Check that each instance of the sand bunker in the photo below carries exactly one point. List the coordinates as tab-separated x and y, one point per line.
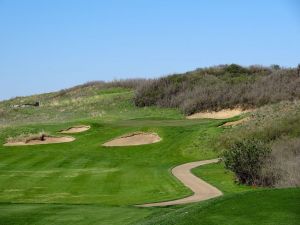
223	114
46	140
235	123
75	129
137	138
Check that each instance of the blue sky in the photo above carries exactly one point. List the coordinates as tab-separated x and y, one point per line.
47	45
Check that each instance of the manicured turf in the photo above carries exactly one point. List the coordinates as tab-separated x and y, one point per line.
266	207
85	172
62	214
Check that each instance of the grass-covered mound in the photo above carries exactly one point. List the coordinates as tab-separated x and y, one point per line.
91	101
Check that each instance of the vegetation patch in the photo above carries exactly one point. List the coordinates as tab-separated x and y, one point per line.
220	87
265	150
36	139
246	158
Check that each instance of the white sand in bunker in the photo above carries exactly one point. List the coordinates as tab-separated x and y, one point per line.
45	140
136	138
222	114
75	129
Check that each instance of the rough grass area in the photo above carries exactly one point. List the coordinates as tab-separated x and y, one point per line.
88	103
274	127
27	137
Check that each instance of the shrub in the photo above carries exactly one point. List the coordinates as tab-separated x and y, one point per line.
235	69
246	158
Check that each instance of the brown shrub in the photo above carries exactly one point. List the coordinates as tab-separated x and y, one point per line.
220	87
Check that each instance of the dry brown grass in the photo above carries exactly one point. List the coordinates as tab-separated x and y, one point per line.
276	126
28	137
285	157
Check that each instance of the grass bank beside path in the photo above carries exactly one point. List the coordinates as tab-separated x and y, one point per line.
263	207
221	178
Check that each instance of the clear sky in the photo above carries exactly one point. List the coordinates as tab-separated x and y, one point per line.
47	45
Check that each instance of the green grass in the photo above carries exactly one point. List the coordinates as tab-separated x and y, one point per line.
221	178
101	105
63	214
268	207
114	90
85	172
82	182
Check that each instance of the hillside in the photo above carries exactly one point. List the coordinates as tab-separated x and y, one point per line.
86	181
97	100
221	87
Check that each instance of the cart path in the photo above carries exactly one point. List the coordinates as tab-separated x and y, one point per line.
202	190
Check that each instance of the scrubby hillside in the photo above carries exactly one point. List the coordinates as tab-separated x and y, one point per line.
221	87
266	149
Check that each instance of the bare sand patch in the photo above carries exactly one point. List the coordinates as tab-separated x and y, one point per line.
222	114
235	123
136	138
45	140
75	129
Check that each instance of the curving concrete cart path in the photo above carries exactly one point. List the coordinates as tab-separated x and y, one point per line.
202	190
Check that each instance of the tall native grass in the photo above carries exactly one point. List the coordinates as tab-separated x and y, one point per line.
275	128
